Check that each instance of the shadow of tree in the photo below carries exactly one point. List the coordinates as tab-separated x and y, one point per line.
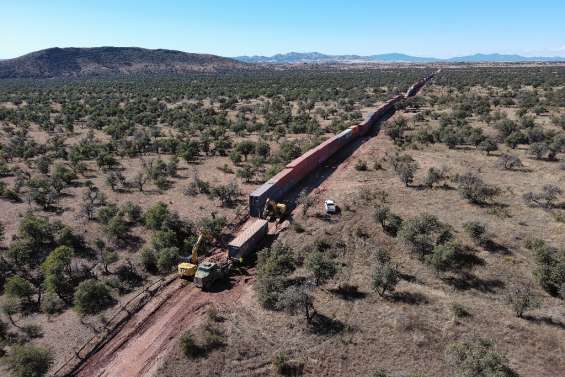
411	298
466	281
348	292
323	325
495	247
545	320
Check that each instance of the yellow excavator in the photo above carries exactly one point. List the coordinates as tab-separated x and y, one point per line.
273	210
188	269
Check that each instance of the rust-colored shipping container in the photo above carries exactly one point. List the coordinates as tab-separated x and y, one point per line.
248	238
285	177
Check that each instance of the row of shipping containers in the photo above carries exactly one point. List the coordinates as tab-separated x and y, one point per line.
276	187
300	167
413	90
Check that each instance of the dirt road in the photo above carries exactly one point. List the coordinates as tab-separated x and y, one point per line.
138	349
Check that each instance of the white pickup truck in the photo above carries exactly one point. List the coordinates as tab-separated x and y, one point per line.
329	206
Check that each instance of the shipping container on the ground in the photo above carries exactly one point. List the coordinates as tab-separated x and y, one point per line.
248	238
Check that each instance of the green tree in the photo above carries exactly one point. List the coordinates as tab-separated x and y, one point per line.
522	298
443	257
475	190
29	361
422	233
321	265
59	276
92	297
385	277
167	259
117	228
245	147
297	299
18	287
475	357
273	265
155	216
488	145
477	231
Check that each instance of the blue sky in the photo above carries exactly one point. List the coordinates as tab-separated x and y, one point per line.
244	27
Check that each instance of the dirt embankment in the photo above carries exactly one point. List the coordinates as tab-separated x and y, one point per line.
138	349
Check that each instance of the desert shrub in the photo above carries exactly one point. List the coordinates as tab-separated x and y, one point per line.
361	165
227	194
395	130
546	198
117	228
245	148
155	216
133	212
405	168
475	357
476	231
20	288
297	299
306	201
380	373
213	225
280	362
246	173
538	150
106	213
424	232
92	297
273	265
29	361
262	149
434	176
388	220
443	257
515	138
189	346
550	266
64	174
505	127
321	265
149	260
385	277
474	189
488	145
51	304
424	136
167	259
459	311
508	162
522	298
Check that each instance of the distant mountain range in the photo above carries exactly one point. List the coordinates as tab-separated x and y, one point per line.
96	61
316	57
100	61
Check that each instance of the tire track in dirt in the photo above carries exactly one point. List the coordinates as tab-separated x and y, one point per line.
140	346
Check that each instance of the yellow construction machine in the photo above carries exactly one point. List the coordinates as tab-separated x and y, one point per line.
273	210
188	269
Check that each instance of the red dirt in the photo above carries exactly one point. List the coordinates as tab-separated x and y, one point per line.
140	346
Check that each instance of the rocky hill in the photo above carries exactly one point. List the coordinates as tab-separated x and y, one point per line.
78	62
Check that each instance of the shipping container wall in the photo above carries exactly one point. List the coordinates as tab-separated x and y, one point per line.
300	167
